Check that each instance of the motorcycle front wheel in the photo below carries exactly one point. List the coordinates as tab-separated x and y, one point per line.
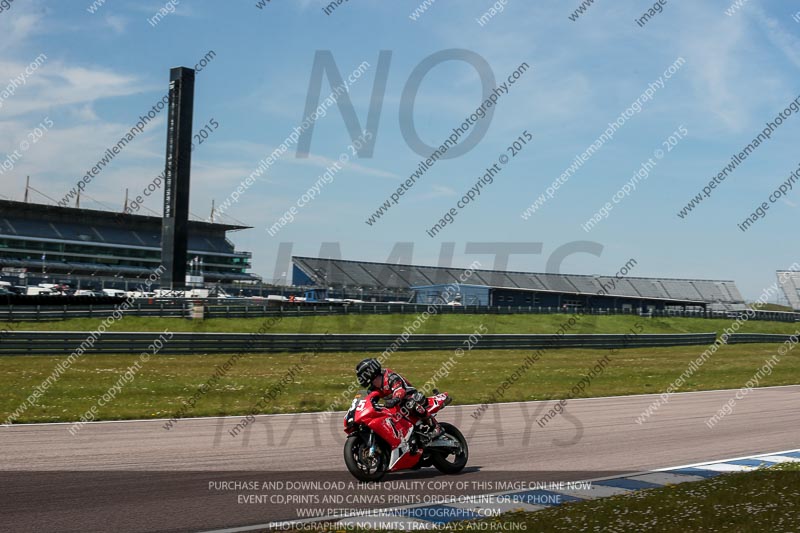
359	462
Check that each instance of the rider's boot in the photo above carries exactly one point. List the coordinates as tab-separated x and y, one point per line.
436	430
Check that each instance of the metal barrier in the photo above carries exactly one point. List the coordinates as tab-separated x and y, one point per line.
66	342
42	313
748	338
171	308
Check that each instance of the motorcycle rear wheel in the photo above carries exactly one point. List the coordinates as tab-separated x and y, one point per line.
459	460
355	450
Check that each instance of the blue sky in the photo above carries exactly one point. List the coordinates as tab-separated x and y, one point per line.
104	69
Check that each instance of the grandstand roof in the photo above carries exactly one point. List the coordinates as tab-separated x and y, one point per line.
339	272
103	228
95	216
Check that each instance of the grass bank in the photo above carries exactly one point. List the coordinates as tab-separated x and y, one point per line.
767	499
163	383
395	323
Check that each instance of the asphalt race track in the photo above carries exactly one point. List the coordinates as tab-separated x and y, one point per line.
138	476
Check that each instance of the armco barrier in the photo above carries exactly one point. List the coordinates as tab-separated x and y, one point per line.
748	338
102	307
65	342
64	307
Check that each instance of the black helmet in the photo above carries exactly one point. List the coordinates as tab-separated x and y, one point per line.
367	370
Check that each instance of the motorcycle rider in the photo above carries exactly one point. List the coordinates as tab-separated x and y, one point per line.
392	385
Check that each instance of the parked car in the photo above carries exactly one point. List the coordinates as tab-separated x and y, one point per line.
116	293
57	289
88	292
38	291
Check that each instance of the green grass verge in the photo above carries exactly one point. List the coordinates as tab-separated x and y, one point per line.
395	323
162	385
767	499
772	307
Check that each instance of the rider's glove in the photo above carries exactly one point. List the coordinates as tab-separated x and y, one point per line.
391	402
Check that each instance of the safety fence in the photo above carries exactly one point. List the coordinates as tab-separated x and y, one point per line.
65	342
747	338
174	308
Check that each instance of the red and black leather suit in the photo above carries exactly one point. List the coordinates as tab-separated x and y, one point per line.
400	391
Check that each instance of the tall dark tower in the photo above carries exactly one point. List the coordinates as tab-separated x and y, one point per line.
174	227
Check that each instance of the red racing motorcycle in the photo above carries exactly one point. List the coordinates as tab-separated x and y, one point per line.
386	439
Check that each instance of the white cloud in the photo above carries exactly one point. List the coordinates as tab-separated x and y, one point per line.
437	191
56	84
84	113
16	29
783	40
116	23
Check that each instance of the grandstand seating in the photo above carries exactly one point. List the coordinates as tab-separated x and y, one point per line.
646	288
722	295
790	283
106	235
80	242
680	290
